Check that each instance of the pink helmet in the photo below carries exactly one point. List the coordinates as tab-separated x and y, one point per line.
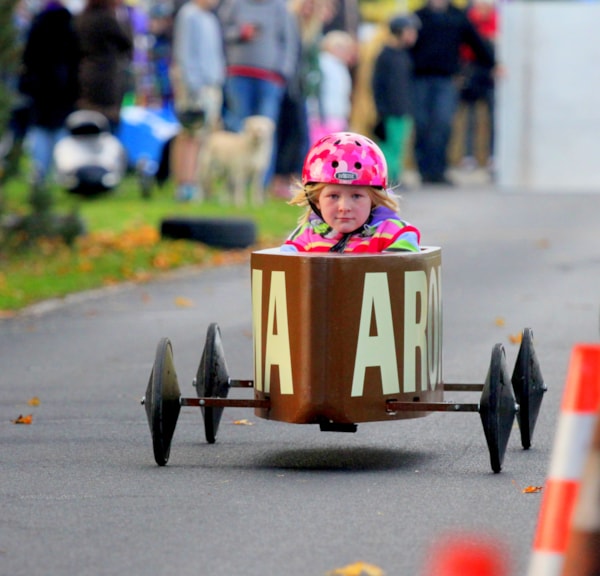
345	158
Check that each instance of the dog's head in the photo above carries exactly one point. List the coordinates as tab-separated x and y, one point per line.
260	129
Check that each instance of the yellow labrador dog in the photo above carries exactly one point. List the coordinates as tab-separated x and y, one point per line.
241	159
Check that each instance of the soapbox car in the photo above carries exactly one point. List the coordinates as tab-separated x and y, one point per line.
341	339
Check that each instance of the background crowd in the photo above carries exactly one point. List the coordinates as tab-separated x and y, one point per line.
302	63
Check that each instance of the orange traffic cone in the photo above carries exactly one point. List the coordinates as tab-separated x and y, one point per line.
583	545
467	555
579	412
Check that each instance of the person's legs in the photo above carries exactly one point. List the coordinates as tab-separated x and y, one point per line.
269	99
391	147
270	96
57	135
445	98
405	128
186	147
470	130
292	143
423	110
239	97
397	130
40	144
184	162
490	104
19	123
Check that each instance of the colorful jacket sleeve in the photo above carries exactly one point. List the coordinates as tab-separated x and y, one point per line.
398	236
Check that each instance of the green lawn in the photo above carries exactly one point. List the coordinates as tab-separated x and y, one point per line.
122	241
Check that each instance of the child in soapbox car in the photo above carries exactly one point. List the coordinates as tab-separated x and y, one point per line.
379	360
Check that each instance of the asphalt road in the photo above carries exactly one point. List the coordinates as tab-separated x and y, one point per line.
80	492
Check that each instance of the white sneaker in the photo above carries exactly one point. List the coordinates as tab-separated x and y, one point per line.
469	163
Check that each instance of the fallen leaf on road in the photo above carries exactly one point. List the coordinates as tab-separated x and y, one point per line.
357	569
515	338
532	489
243	422
23	419
499	321
35	401
184	302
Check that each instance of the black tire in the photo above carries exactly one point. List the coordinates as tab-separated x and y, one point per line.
497	408
212	380
221	233
528	386
162	401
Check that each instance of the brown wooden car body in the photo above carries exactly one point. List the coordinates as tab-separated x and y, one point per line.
338	336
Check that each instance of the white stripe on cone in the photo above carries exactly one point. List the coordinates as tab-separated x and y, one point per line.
571	445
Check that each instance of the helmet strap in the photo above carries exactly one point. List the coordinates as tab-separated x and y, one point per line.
341	244
314	207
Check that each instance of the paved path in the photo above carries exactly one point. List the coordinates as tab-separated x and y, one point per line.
79	490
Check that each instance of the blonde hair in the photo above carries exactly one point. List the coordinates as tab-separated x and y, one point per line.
309	194
337	40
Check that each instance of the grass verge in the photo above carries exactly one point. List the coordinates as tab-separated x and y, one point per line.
122	242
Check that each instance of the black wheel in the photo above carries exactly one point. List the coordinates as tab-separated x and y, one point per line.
528	385
221	233
212	380
162	401
497	408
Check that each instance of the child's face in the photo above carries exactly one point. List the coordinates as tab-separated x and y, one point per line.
409	37
344	207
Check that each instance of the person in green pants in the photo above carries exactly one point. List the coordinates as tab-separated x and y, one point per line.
393	94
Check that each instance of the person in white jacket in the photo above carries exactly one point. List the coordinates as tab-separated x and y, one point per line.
337	55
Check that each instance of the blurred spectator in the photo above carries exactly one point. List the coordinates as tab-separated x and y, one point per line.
345	16
477	83
393	93
261	54
49	79
11	143
106	50
197	75
301	91
436	55
161	40
336	57
134	17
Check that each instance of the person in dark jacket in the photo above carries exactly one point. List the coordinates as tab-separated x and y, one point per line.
393	93
106	52
49	80
436	57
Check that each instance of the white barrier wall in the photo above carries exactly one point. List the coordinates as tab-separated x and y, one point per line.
548	107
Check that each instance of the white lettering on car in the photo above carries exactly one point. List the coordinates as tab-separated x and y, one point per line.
277	345
379	349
